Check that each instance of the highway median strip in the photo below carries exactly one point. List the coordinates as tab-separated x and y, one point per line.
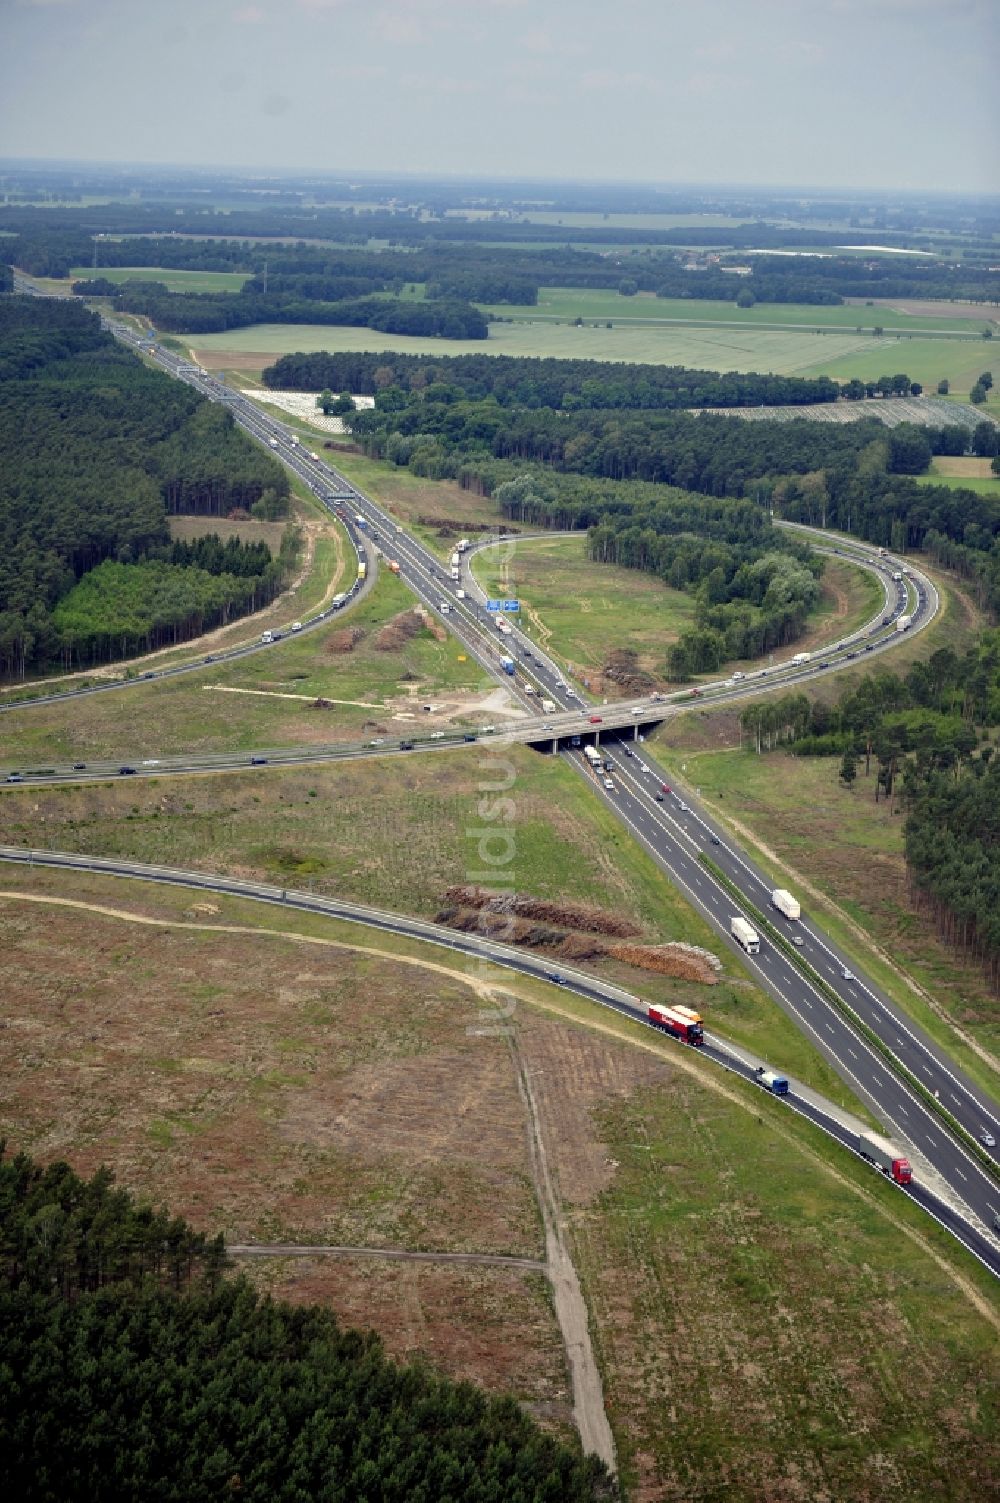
849	1014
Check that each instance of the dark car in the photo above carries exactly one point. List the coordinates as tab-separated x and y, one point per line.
658	797
125	772
468	737
406	746
695	693
79	766
209	659
885	620
149	675
554	976
825	663
13	777
258	761
870	647
715	840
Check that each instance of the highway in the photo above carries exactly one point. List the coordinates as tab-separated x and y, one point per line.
482	952
676	830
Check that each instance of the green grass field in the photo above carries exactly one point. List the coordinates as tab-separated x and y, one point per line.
830	1352
579	610
174	281
587	303
838	352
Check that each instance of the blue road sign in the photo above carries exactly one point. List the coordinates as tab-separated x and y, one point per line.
494	605
512	605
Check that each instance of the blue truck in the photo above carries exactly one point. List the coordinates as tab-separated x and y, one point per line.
771	1081
507	664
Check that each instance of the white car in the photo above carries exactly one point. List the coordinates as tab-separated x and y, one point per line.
643	767
986	1138
608	784
296	626
445	608
437	735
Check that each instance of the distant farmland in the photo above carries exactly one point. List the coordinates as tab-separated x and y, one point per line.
174	281
889	410
840	353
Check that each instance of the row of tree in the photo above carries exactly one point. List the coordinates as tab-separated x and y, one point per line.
925	737
50	242
95	447
134	1369
213	312
532	383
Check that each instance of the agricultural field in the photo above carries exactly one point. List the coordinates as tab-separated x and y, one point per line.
591	303
839	352
401	835
373	665
964	473
174	281
580	611
188	1058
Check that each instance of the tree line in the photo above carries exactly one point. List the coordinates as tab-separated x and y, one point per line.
753	585
214	312
136	1366
50	242
857	477
531	382
923	737
95	447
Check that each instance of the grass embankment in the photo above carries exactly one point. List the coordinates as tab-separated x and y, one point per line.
771	1318
845	852
195	713
398	835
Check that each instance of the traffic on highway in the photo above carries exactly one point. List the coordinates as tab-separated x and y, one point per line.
908	1082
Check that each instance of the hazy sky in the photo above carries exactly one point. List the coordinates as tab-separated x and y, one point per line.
890	93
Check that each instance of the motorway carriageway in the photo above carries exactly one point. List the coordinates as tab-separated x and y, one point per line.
481	953
662	835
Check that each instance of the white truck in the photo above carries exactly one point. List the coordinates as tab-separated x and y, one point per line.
456	559
802	657
744	934
455	574
898	576
592	755
548	708
273	442
782	899
463	545
903	623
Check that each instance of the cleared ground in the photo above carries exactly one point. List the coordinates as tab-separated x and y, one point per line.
398	835
773	1322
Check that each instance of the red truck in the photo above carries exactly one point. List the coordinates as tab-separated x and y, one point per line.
681	1022
880	1151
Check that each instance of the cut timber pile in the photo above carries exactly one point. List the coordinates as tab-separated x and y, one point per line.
567	915
346	640
681	961
400	630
